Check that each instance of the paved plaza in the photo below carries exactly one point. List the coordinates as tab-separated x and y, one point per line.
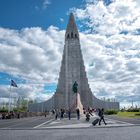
82	123
46	128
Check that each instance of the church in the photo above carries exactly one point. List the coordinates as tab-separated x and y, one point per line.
72	72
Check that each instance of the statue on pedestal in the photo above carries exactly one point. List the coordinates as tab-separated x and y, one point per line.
75	87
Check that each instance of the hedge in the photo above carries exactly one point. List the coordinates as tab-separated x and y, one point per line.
111	112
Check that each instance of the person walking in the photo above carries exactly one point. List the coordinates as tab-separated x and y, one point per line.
0	116
78	113
101	115
62	111
87	116
56	114
18	115
69	114
45	114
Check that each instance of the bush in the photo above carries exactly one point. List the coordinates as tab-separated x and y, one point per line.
19	110
3	110
122	110
137	114
133	110
111	112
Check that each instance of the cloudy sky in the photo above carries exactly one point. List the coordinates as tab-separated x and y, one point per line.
32	41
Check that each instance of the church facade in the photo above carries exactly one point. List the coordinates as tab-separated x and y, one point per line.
72	70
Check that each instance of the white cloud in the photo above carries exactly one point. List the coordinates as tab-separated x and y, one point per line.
112	49
112	64
116	17
30	91
46	3
61	19
31	52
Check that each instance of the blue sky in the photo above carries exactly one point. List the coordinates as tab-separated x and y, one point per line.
17	14
32	41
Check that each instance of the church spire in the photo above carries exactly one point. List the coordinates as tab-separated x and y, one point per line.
71	31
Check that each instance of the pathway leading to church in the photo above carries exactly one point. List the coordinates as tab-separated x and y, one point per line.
82	123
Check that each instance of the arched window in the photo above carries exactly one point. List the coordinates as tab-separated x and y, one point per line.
75	35
71	34
68	36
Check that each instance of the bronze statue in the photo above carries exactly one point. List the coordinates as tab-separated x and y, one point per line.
75	87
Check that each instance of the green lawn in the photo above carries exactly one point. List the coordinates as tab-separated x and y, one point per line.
129	114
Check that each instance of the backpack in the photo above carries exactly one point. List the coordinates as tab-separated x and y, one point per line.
100	113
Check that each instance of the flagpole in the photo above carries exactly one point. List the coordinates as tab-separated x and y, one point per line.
9	108
14	85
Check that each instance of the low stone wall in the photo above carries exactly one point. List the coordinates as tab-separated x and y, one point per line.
97	103
42	107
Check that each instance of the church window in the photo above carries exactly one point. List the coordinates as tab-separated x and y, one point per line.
71	34
68	36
